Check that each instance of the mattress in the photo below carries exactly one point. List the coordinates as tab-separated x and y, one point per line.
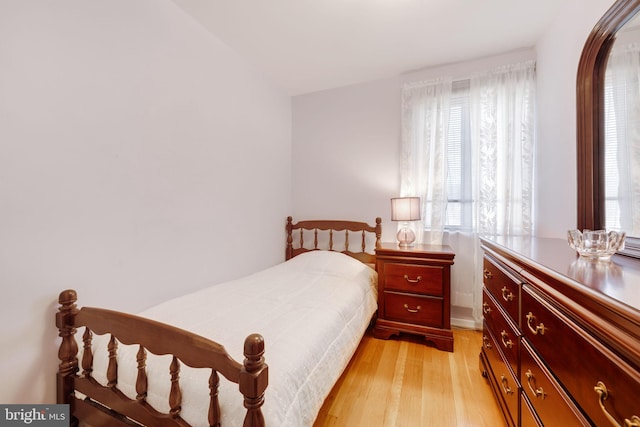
312	312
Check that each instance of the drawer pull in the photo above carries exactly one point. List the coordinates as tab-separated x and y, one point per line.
416	280
603	394
412	310
508	343
537	391
539	327
486	342
485	308
506	295
505	385
486	274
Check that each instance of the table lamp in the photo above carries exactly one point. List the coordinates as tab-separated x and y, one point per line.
405	209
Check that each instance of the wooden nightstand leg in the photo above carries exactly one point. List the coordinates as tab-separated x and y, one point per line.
384	333
440	339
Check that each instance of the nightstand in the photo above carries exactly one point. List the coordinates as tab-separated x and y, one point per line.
414	292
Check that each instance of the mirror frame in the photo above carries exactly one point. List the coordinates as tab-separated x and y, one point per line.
590	119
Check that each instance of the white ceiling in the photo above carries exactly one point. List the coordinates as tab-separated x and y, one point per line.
311	45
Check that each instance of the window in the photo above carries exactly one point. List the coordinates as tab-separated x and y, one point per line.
468	151
459	210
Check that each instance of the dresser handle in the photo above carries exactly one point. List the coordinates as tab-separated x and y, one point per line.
603	394
506	295
416	280
505	385
507	343
412	310
537	392
539	328
485	308
486	342
486	274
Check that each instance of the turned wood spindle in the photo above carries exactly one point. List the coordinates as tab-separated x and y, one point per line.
289	251
364	246
87	354
346	240
175	395
141	379
315	238
68	351
112	368
330	239
214	404
253	380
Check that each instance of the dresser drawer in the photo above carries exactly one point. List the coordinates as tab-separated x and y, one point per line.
550	402
507	337
528	416
504	286
501	376
418	279
584	367
408	308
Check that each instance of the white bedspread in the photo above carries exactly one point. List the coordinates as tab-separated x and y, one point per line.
312	312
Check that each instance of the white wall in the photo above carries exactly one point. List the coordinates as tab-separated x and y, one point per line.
346	140
140	158
346	153
557	67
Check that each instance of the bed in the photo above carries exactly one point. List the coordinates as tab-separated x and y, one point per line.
169	365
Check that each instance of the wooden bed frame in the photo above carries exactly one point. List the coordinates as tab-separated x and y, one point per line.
99	405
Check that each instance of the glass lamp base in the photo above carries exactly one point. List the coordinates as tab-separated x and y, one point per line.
406	237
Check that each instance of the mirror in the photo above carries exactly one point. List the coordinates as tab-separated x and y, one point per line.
591	133
622	131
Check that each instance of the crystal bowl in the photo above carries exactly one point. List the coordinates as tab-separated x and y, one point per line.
596	244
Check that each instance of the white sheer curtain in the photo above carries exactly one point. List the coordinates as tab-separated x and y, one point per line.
423	157
502	136
622	155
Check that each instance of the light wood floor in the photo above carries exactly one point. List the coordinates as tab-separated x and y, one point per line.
405	383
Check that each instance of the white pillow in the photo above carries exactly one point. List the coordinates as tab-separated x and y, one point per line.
329	262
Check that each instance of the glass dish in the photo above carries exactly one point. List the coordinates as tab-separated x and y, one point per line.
596	244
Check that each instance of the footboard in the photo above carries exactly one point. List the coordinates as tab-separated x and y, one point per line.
98	404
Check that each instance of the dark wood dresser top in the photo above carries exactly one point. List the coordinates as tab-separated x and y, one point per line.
609	290
617	280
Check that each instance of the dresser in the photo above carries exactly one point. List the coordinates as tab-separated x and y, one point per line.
561	334
414	287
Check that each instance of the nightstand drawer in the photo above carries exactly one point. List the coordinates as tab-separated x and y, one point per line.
419	310
417	279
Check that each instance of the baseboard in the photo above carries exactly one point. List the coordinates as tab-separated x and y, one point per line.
465	324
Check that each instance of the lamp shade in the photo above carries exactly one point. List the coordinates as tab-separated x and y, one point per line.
405	209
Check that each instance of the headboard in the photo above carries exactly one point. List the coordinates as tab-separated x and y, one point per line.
334	235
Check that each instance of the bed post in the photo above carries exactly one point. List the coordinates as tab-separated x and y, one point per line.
378	231
254	377
68	351
289	252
